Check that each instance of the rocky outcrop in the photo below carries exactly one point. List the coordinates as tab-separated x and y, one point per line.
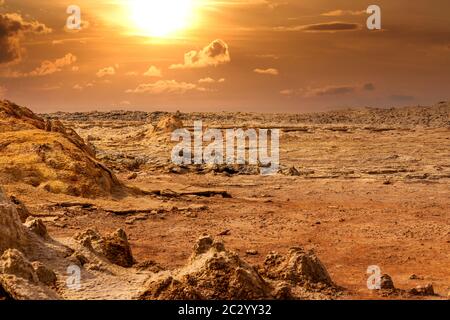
114	247
48	155
298	267
12	233
213	272
20	281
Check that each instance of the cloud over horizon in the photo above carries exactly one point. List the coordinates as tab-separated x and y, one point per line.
12	29
166	86
214	54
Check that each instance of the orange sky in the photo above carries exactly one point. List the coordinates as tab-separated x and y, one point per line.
247	55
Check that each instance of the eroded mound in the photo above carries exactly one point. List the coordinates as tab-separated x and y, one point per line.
12	233
49	156
19	278
164	128
114	247
216	273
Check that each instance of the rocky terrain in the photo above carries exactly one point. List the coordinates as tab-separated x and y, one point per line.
98	192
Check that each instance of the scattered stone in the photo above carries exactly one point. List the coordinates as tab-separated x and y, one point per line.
22	210
132	176
79	259
130	220
13	262
44	274
292	171
115	246
225	233
149	265
427	290
252	252
37	226
117	249
387	283
192	215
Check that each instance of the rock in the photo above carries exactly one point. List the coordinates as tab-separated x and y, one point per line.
78	259
192	215
149	265
252	252
132	176
37	226
44	274
298	267
427	290
114	247
283	291
21	209
225	233
130	220
48	155
292	171
211	273
387	283
117	249
13	262
12	232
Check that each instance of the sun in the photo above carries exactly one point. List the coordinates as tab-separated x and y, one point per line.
161	18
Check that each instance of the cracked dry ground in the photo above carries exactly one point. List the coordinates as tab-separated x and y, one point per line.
363	198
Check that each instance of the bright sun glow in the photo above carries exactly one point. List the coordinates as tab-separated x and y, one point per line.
161	18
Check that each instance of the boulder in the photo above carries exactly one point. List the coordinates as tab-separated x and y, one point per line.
117	249
427	290
298	267
115	246
211	273
44	274
37	227
13	262
387	283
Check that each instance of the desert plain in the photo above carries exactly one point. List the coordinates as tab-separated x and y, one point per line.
356	188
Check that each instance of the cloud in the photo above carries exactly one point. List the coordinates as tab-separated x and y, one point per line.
12	29
46	68
153	72
340	13
207	80
270	71
268	56
49	67
401	97
323	27
166	86
214	54
330	90
287	92
125	103
108	71
211	80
